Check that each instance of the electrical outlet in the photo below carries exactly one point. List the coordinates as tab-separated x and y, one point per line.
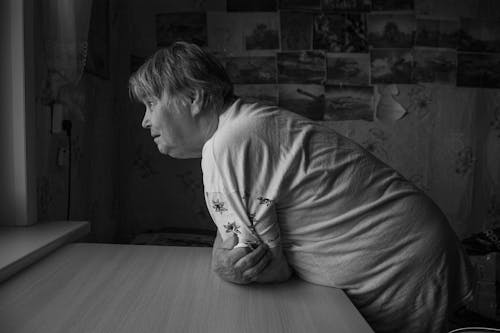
62	156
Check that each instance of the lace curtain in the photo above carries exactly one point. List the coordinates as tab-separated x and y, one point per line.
65	26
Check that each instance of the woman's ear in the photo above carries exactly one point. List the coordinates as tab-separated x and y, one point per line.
196	103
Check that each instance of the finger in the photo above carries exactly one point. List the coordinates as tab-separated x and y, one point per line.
252	258
252	273
236	254
230	242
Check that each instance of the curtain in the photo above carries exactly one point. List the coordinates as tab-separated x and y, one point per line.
65	25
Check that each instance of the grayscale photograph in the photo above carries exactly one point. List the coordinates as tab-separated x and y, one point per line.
434	32
478	70
391	30
349	103
257	93
348	69
479	35
262	36
435	66
340	33
301	67
250	69
391	66
307	100
173	27
232	166
296	30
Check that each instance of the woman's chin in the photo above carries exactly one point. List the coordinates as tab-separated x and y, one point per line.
162	149
177	153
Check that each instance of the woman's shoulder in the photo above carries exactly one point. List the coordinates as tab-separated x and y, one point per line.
246	124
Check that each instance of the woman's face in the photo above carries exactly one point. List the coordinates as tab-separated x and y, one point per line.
174	126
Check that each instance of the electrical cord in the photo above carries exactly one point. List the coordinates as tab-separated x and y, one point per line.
66	125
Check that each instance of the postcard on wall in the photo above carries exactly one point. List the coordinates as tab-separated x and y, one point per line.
228	32
349	103
391	30
478	70
305	99
251	6
391	5
432	65
257	93
250	69
479	35
348	69
224	32
296	30
346	5
301	67
391	66
340	33
261	32
299	4
185	26
435	32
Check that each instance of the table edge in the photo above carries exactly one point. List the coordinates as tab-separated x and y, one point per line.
74	230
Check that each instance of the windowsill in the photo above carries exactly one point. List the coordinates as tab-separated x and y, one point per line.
22	246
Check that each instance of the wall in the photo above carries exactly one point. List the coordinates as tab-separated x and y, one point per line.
156	192
17	181
447	141
114	184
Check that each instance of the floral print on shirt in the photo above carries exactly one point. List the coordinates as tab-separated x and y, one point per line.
218	206
246	227
232	227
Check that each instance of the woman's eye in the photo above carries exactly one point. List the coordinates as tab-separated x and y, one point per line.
149	105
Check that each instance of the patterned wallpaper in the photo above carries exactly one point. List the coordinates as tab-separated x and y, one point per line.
411	81
414	82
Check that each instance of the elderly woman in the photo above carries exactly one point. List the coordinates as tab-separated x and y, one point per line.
290	194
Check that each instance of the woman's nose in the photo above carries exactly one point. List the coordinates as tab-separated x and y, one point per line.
145	121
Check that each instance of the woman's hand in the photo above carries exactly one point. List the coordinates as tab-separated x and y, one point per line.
243	265
239	265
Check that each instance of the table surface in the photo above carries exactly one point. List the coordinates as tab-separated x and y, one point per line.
135	288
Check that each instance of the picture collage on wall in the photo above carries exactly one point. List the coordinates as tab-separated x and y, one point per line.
321	58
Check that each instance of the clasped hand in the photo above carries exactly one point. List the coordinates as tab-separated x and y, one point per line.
240	265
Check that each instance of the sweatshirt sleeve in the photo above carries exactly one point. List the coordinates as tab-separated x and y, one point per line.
240	186
251	218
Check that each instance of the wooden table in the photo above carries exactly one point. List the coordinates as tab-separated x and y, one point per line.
134	288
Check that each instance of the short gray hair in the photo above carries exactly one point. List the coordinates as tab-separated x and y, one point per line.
181	70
